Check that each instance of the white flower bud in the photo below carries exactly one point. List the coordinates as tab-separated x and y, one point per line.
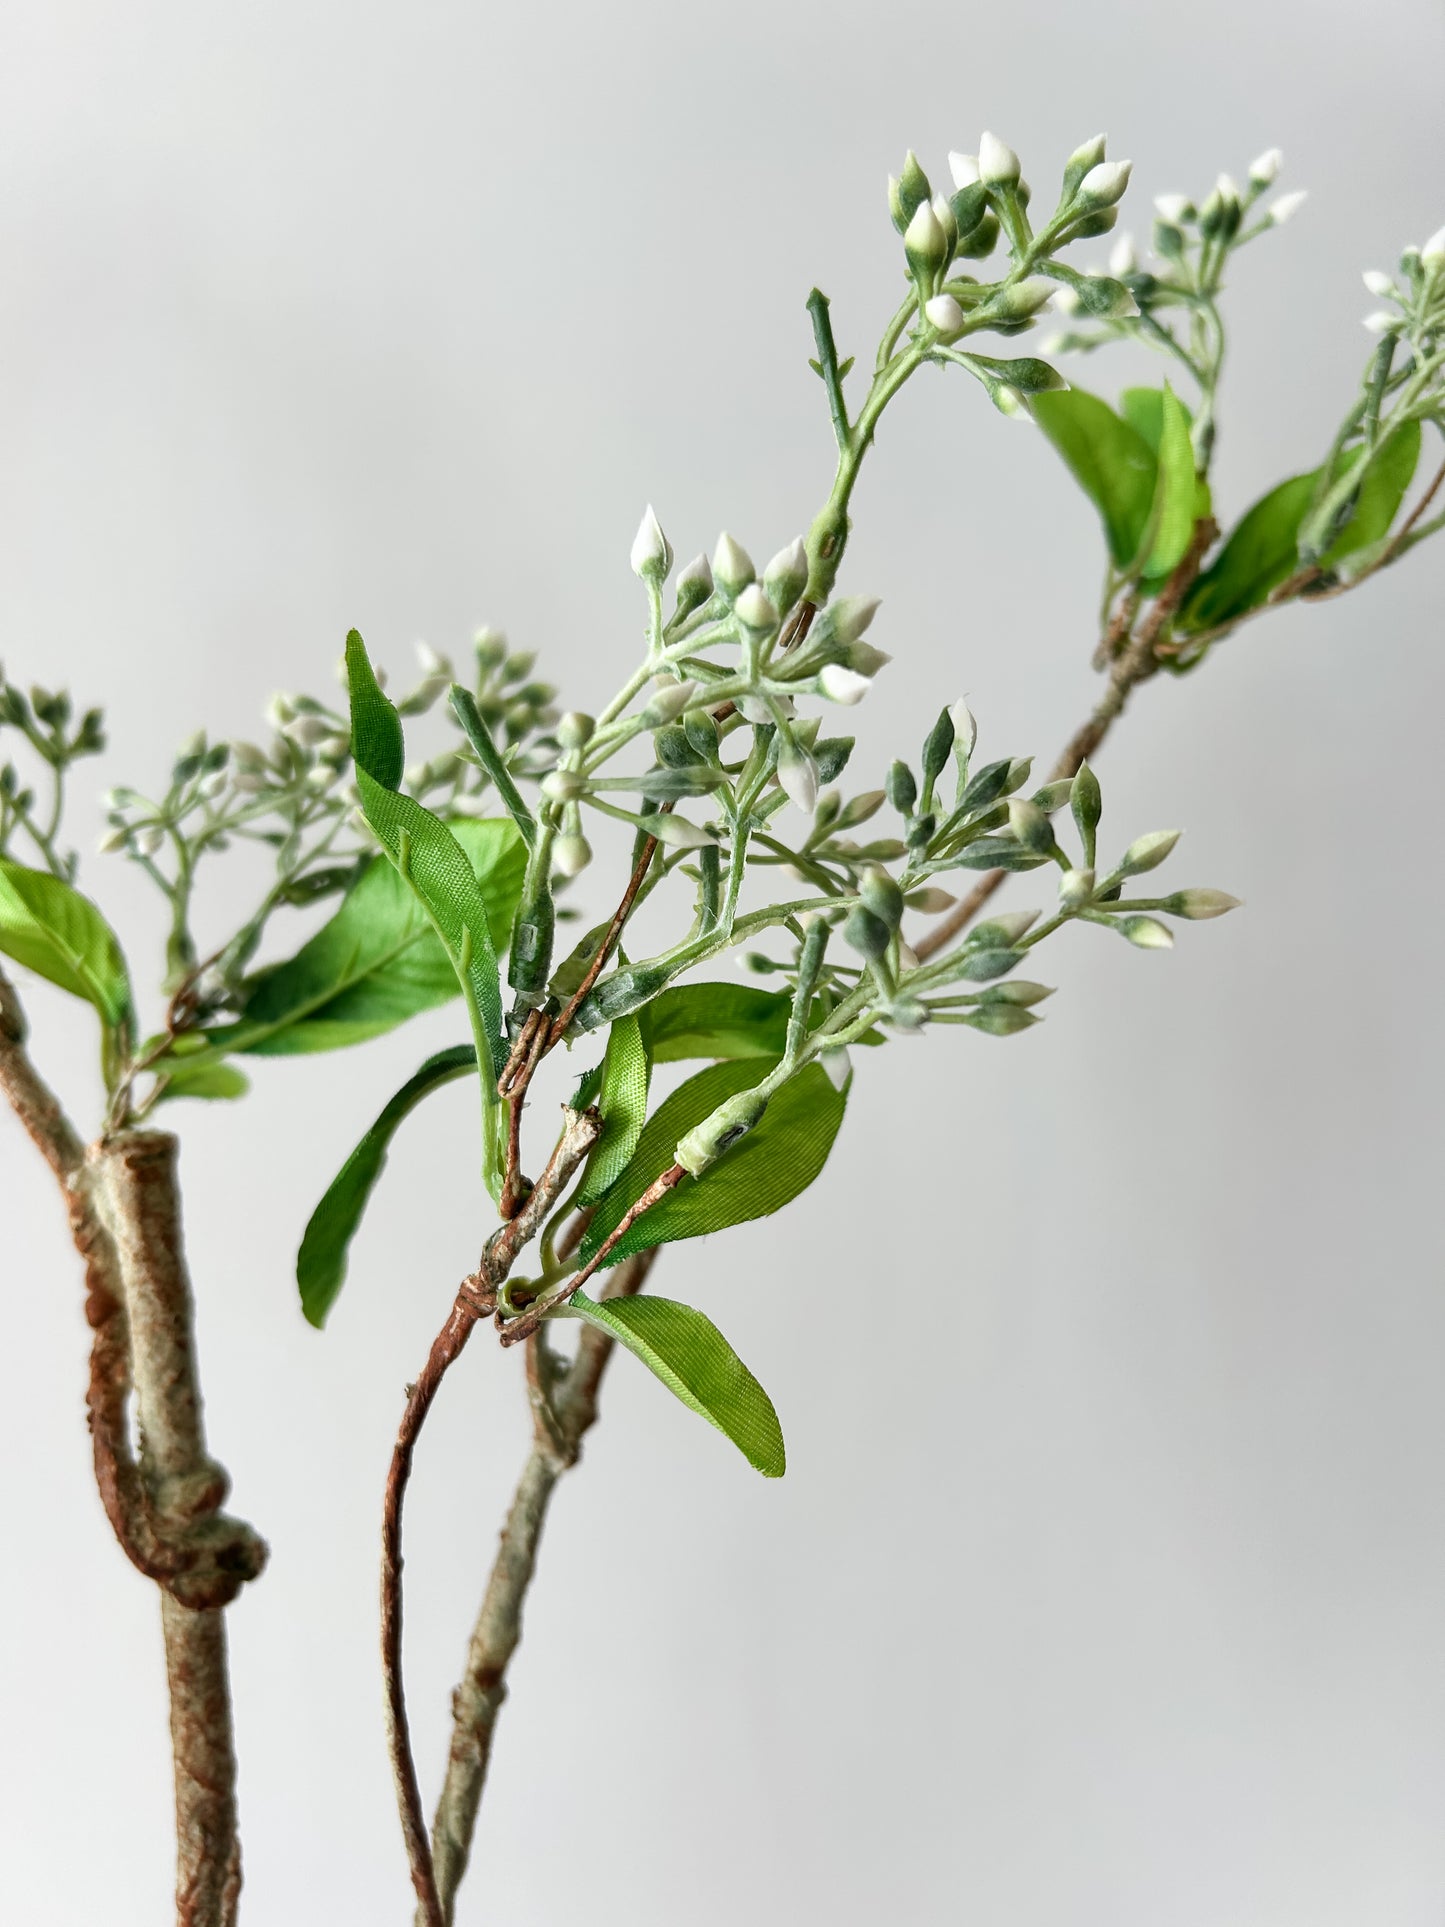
194	745
732	566
695	582
335	746
1147	852
1382	322
1066	301
1227	188
677	833
1264	167
1122	258
924	239
998	165
1023	298
668	703
1197	905
842	685
1147	932
1076	887
308	731
1287	206
1432	254
798	776
415	775
1087	155
322	777
755	609
786	576
279	711
1105	184
754	710
431	663
214	784
115	839
837	1064
574	730
851	615
944	313
248	756
1378	283
965	727
964	169
651	551
571	854
1173	208
563	785
251	781
147	841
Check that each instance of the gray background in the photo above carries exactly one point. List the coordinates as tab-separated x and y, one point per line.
1107	1582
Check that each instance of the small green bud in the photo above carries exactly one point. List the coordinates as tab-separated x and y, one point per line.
677	833
694	586
564	785
1022	299
1147	852
1003	930
786	576
1000	1020
879	893
574	730
866	933
831	756
756	611
1087	803
730	1121
925	243
1031	827
902	787
701	732
571	854
937	748
1147	932
1084	157
1196	905
1076	888
668	702
1104	184
490	646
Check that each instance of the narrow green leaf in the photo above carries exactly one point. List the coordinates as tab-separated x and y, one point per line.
778	1158
436	866
1110	461
622	1100
206	1076
698	1365
60	935
1259	554
715	1020
1381	493
377	961
321	1261
1171	515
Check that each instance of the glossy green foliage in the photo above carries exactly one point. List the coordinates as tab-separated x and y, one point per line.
765	1170
622	1101
321	1261
53	930
698	1365
435	865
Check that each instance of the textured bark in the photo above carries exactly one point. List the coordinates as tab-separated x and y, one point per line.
561	1420
123	1205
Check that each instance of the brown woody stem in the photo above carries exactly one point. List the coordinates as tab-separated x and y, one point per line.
561	1418
123	1204
475	1299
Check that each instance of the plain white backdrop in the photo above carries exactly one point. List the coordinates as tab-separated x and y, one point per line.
1107	1583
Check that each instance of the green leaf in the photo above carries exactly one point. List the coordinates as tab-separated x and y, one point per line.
204	1076
1171	515
1261	552
434	863
378	961
622	1101
1110	461
715	1020
778	1158
698	1365
60	935
1381	493
321	1261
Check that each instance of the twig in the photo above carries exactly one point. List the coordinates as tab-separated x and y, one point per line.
604	950
523	1327
475	1299
1132	666
482	1689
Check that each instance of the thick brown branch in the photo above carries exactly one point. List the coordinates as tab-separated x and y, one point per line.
475	1299
558	1428
1131	666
